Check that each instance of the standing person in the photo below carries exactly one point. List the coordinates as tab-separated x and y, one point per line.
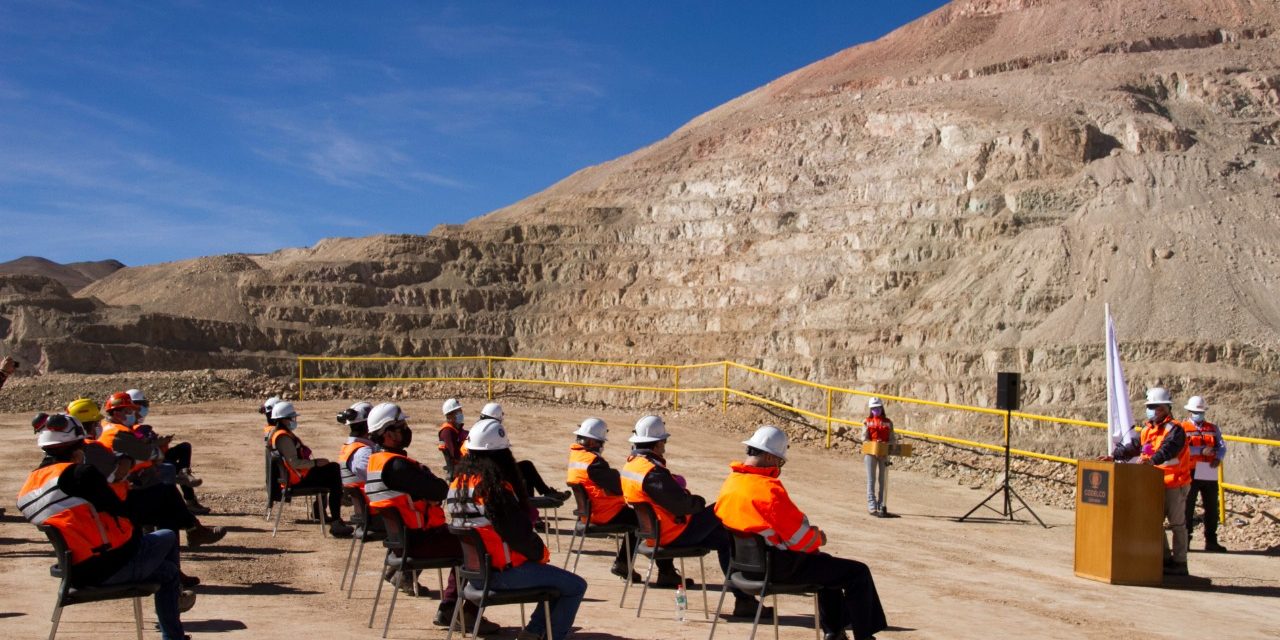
753	500
1163	443
353	457
396	481
877	428
483	496
178	455
451	435
603	485
684	518
105	548
303	470
1207	449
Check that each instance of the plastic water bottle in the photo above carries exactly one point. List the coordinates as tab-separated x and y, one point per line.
682	601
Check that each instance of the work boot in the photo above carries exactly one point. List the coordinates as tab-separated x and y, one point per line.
201	535
340	529
188	581
188	479
559	495
526	634
468	620
746	608
186	601
198	509
668	579
1176	569
1212	546
835	635
621	569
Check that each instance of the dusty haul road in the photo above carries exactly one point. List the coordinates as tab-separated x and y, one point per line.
937	578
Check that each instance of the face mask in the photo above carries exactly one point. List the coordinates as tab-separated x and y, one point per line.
1151	413
290	424
129	420
142	412
407	434
877	412
1197	418
460	419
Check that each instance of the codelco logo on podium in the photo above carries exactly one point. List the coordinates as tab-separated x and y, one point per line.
1095	488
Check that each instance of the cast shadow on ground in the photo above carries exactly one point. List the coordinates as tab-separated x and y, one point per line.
223	549
214	626
1196	583
10	614
254	589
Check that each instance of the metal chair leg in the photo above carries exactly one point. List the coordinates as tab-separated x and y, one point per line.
457	608
351	552
57	618
719	607
648	574
475	633
377	595
355	570
546	611
702	564
755	623
522	622
556	515
320	510
631	561
817	624
775	616
279	512
572	539
440	576
399	580
137	616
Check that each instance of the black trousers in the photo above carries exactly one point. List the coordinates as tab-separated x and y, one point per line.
628	516
159	506
1208	491
179	455
706	530
533	481
848	597
327	477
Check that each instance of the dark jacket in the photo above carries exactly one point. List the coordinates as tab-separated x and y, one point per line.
604	476
664	491
414	479
1170	447
86	482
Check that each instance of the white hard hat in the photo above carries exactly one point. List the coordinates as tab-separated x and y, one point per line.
450	406
492	410
1196	405
649	429
137	395
1158	395
282	409
66	431
875	403
769	439
488	435
359	412
383	415
593	428
270	402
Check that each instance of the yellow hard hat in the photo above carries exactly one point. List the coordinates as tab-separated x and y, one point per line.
84	410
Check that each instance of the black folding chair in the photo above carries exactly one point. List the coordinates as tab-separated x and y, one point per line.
406	567
583	529
751	571
476	569
363	524
545	504
651	530
69	595
288	493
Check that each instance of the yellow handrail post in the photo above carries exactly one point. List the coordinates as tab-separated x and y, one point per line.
828	418
675	393
489	377
724	390
299	378
1222	499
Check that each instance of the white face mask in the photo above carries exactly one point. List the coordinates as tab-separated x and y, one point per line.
290	424
129	420
1197	418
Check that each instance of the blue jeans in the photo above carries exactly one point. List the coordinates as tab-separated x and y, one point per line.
563	609
157	561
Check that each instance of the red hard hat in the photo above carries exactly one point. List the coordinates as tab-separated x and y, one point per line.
119	400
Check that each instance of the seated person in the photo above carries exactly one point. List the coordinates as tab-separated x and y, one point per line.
529	475
302	469
753	500
353	458
178	455
105	548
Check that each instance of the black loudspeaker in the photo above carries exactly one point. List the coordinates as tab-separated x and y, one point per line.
1008	385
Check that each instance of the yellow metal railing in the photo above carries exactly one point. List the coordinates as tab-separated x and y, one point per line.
726	390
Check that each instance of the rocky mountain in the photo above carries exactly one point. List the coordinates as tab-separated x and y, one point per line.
74	276
909	215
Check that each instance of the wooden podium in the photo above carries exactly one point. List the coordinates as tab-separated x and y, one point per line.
1119	523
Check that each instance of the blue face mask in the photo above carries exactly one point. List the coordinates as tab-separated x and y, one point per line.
461	420
1197	418
130	420
142	412
1151	413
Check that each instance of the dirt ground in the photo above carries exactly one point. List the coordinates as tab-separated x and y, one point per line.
937	578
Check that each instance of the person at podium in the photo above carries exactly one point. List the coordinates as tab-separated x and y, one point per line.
1163	442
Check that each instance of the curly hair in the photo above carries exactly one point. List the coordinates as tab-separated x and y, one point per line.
495	469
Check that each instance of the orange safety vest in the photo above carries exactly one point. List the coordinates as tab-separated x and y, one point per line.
87	532
878	429
753	500
349	477
459	436
1177	473
603	506
113	430
633	474
1202	441
468	512
295	475
416	514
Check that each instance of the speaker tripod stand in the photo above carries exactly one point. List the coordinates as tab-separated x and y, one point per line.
1006	509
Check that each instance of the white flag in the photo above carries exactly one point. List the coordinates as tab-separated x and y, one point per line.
1119	420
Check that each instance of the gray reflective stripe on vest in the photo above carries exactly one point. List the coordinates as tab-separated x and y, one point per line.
578	465
464	510
800	533
377	490
632	476
348	476
40	504
768	535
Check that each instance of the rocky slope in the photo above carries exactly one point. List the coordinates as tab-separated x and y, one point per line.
74	276
909	216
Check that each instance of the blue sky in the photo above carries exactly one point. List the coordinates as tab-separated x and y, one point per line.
152	131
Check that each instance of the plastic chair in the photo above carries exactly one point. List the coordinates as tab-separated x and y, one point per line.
583	529
68	595
650	530
361	520
750	557
476	568
547	503
288	493
403	563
